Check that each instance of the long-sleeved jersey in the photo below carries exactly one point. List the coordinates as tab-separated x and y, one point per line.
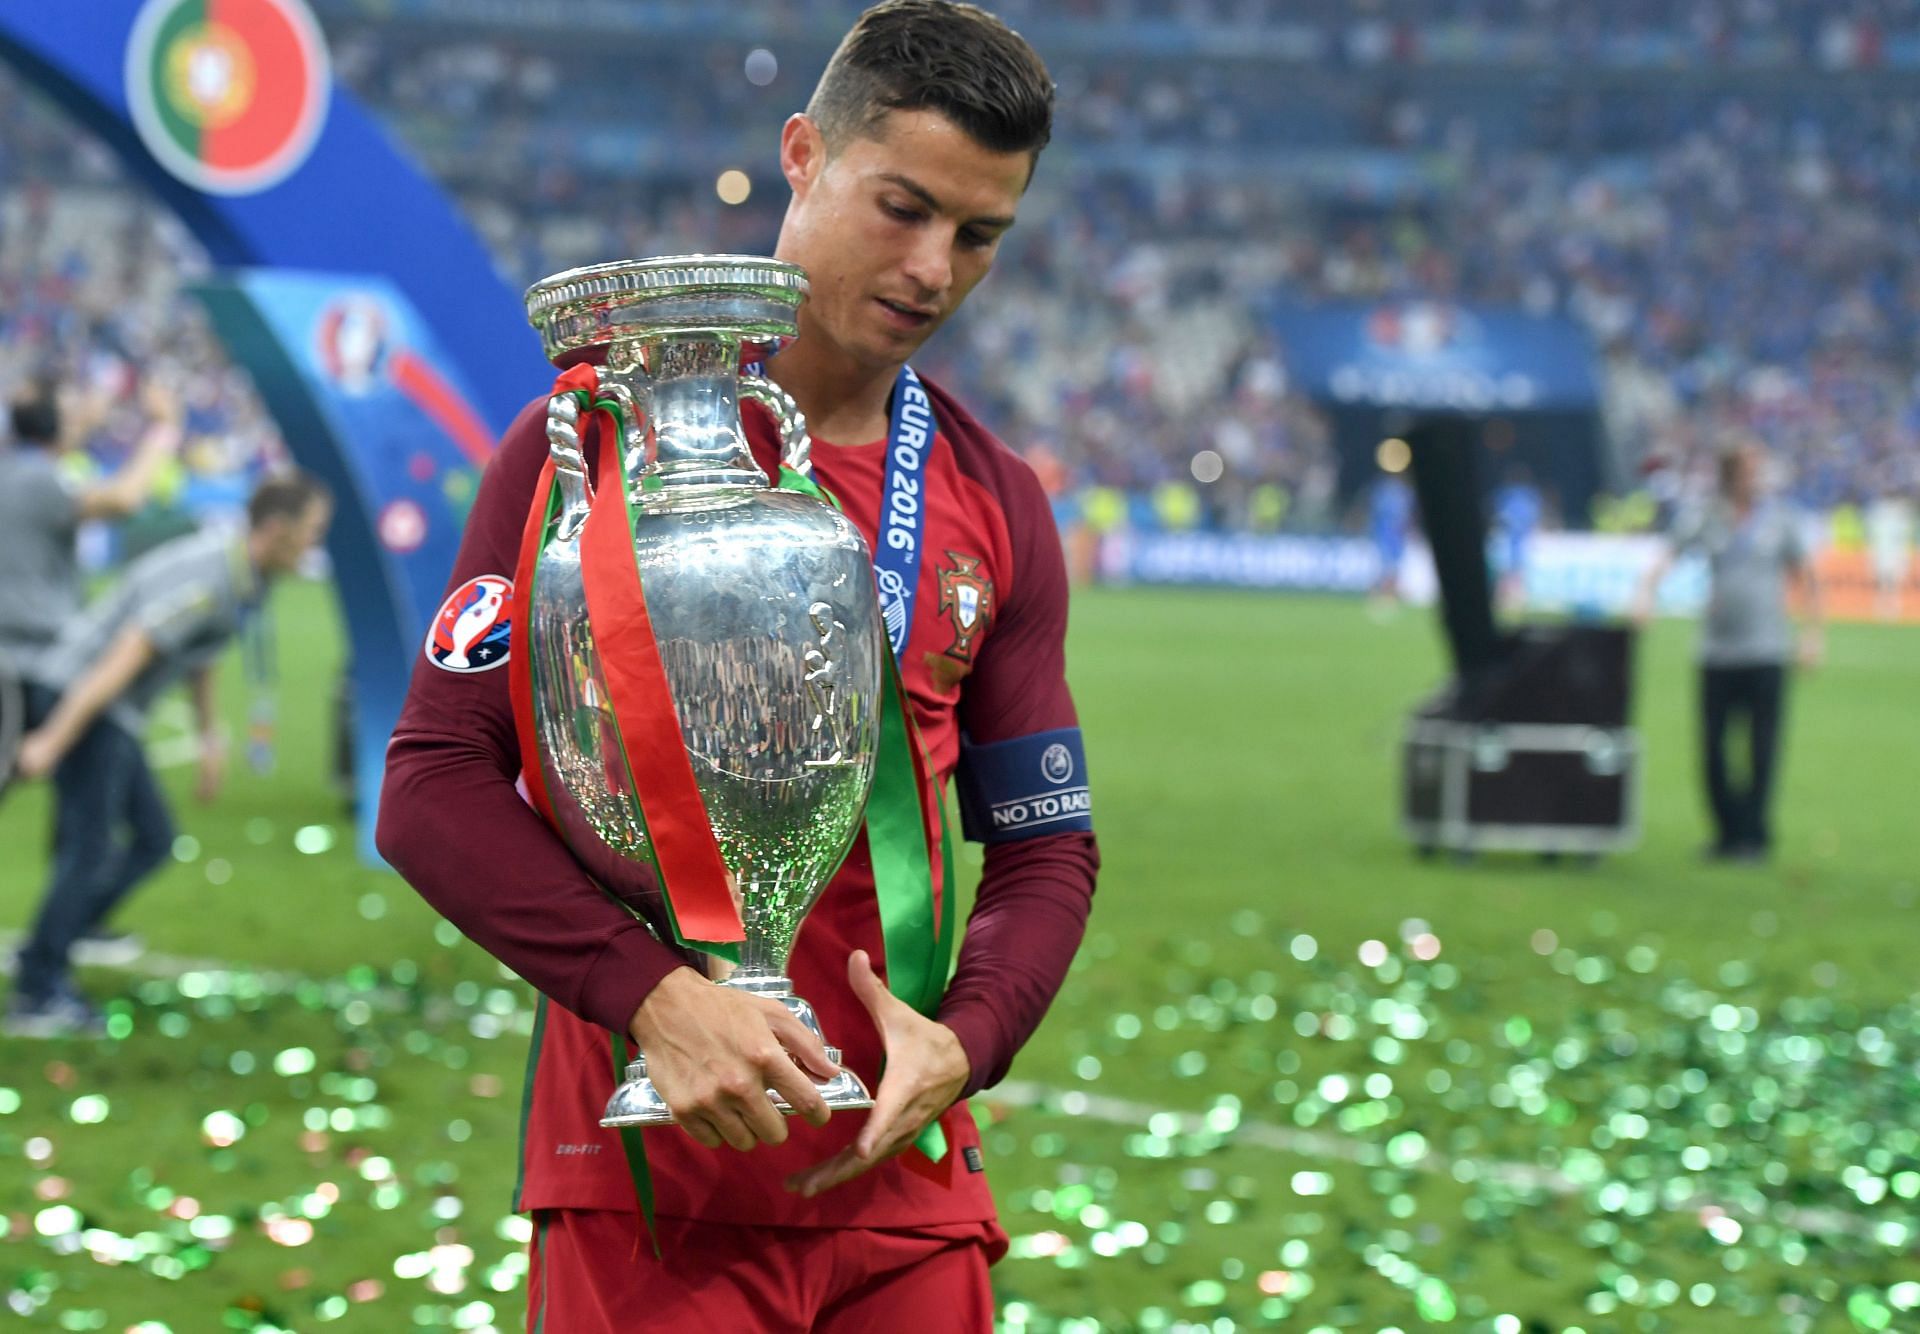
984	670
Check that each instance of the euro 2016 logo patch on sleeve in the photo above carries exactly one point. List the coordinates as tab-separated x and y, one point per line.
471	629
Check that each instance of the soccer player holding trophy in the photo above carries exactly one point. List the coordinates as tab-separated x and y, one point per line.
759	598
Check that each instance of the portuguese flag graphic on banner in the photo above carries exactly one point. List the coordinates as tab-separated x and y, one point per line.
228	95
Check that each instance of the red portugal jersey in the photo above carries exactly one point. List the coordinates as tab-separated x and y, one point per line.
985	664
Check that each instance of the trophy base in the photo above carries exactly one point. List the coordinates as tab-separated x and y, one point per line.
637	1103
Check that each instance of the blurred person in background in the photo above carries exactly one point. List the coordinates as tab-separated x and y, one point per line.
42	506
1889	524
906	169
170	616
1389	519
1516	517
1753	549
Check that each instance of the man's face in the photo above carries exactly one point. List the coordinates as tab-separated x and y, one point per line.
895	228
288	540
1743	473
69	406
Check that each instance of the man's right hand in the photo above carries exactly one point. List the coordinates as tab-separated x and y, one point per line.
40	754
713	1052
1812	649
161	402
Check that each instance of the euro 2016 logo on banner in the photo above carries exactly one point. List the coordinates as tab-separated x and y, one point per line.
228	95
471	630
351	343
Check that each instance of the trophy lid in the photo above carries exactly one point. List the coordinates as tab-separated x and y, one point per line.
745	296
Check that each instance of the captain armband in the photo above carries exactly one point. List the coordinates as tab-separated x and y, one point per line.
1024	787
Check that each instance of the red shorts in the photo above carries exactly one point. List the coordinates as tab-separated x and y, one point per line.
593	1275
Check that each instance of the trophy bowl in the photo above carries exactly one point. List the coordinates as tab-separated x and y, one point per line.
762	603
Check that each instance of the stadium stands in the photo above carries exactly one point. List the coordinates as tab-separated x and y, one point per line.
1736	242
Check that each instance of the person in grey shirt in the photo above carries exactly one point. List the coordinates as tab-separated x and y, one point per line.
169	617
1753	549
42	507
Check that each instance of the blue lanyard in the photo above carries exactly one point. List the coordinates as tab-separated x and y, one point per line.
903	504
903	507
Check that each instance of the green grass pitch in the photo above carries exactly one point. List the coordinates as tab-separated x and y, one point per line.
1646	1094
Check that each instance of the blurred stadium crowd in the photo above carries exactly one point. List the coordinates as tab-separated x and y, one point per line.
1721	194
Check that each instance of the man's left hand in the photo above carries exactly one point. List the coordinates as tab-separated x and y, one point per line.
213	769
926	1069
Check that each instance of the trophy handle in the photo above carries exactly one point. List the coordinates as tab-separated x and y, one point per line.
636	422
796	446
569	463
569	455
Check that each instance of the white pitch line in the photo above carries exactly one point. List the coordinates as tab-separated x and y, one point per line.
167	967
1318	1144
1262	1134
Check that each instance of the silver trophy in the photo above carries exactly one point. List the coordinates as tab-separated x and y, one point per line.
762	602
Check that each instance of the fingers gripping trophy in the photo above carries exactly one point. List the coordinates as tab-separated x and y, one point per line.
703	675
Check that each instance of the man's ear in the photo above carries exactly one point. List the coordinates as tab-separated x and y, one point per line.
803	152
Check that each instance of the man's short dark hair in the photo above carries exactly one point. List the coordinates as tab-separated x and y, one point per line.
936	55
36	417
285	495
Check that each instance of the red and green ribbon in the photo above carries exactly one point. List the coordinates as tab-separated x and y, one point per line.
694	883
905	818
906	815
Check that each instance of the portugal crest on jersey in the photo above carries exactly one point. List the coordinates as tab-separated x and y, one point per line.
228	95
967	600
471	629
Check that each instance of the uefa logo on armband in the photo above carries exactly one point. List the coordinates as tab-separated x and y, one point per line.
1056	763
471	630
